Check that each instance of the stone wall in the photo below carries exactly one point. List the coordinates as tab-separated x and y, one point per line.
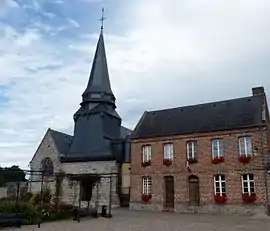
3	192
71	191
211	208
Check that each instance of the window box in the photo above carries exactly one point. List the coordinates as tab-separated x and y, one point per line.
167	162
249	198
218	159
146	197
192	160
146	163
220	199
244	159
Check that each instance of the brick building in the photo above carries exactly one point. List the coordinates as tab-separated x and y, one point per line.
207	158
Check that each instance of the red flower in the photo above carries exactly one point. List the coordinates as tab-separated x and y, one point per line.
249	198
146	197
220	199
167	162
192	160
217	159
146	163
244	159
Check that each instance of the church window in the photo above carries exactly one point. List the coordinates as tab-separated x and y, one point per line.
47	166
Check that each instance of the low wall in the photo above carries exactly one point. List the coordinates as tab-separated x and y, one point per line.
3	192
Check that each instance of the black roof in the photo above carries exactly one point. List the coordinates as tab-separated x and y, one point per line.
214	116
61	140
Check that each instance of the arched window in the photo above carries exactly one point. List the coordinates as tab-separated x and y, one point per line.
47	166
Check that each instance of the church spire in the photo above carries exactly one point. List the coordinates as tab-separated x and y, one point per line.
99	87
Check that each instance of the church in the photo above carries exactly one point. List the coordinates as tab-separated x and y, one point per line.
100	146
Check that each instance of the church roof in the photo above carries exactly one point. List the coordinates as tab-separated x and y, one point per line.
61	140
214	116
99	81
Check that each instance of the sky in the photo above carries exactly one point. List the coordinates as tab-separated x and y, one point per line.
160	54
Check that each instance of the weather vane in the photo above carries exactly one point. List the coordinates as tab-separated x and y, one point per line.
102	18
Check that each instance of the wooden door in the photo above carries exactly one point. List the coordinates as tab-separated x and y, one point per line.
194	191
169	192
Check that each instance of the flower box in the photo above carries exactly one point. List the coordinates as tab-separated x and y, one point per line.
146	197
249	198
167	162
217	159
244	159
192	160
220	199
146	163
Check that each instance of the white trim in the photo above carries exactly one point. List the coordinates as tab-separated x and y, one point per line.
168	151
146	185
220	147
246	145
219	181
146	153
248	181
192	154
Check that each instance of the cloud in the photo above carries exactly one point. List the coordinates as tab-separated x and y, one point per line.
73	23
168	54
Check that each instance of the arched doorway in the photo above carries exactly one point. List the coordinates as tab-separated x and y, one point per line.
169	192
194	190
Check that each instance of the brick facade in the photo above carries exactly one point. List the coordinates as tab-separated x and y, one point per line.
204	170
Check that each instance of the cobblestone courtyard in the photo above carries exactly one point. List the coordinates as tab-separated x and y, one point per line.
125	220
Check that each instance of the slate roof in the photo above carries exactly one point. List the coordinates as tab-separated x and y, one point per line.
214	116
63	140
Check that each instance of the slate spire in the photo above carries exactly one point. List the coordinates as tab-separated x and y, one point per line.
99	87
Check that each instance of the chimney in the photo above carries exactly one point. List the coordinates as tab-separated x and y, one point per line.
258	91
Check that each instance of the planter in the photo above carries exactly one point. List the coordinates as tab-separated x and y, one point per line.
244	159
220	199
146	198
146	163
249	198
167	162
217	160
192	161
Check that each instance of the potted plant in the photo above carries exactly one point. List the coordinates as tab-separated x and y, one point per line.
249	198
146	163
220	198
218	159
146	197
244	159
167	162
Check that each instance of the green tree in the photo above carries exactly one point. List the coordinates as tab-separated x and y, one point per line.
11	174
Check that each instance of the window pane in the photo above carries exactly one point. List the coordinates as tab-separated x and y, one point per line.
248	145
251	177
221	147
244	177
242	145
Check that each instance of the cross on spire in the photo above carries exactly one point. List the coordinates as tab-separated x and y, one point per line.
102	18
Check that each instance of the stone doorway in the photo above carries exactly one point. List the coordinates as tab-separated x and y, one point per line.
169	192
194	190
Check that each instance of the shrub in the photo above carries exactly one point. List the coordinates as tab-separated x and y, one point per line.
29	213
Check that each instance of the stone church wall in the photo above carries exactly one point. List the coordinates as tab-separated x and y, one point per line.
101	192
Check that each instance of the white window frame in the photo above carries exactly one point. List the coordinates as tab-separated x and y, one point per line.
146	185
247	150
219	143
146	153
249	182
168	151
218	179
191	155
